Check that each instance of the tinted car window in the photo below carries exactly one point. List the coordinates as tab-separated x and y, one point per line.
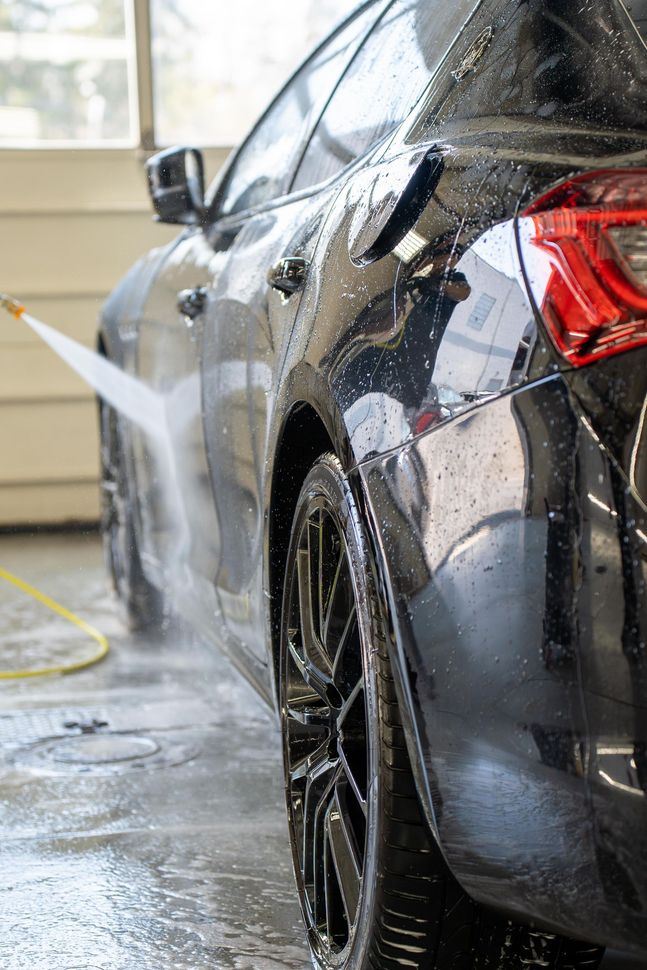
382	83
263	167
554	61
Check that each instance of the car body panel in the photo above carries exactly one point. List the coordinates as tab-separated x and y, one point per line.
503	534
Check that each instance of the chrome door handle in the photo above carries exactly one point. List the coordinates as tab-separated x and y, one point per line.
191	303
288	275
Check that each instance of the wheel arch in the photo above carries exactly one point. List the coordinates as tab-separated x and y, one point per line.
304	437
311	427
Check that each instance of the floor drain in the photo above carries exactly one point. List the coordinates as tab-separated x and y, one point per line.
104	754
106	749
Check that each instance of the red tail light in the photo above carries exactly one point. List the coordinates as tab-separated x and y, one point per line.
584	248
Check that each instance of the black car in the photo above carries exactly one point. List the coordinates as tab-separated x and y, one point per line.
402	345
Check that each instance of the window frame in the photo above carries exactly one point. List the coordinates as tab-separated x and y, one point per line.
304	148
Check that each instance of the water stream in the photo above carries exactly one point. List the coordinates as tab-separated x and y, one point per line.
162	417
132	398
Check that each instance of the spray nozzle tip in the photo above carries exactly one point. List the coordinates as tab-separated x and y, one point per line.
11	305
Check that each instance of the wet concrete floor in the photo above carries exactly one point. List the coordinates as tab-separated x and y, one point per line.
141	815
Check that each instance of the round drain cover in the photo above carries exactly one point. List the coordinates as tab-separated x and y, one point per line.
102	749
105	754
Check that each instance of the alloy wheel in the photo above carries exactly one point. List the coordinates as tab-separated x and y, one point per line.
325	731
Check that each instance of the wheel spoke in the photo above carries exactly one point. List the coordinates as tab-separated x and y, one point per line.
344	856
309	578
318	792
329	875
352	697
308	766
350	777
328	606
309	716
314	678
345	640
351	743
320	577
304	579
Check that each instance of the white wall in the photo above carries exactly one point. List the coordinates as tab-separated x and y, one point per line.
71	223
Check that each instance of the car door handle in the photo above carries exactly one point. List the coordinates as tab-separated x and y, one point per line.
288	275
191	303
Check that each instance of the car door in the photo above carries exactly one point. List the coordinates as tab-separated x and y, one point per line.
429	315
241	365
244	353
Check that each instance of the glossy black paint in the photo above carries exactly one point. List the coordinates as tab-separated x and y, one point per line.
504	494
515	555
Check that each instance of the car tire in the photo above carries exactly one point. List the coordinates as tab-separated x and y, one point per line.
140	601
375	891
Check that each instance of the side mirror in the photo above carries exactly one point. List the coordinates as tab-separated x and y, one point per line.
176	185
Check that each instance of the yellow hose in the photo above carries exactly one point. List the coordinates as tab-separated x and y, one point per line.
67	615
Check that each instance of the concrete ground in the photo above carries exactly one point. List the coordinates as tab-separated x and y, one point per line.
141	813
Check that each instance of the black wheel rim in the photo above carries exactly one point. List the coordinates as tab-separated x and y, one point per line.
325	731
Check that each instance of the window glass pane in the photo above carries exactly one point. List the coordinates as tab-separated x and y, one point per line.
382	83
216	65
265	164
64	72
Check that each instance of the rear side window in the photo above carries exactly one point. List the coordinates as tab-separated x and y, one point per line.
383	82
263	167
553	61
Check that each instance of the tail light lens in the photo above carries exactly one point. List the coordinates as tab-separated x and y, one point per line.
584	250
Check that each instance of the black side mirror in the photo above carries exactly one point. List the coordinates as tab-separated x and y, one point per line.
176	185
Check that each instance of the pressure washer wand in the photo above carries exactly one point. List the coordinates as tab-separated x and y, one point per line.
11	305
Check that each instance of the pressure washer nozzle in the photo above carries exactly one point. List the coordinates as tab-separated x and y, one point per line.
11	305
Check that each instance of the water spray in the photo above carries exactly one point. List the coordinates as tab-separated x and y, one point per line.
17	310
161	417
139	403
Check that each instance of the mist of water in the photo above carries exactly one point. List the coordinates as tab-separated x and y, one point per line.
131	397
162	417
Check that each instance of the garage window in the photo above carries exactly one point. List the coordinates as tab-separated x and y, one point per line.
119	73
66	73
